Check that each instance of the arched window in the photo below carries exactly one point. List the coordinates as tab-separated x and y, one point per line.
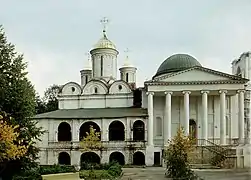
101	65
138	158
138	131
64	132
95	90
85	128
116	131
117	157
159	126
64	158
86	79
127	77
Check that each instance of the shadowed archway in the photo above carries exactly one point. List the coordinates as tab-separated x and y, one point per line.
117	157
138	158
86	128
116	131
89	158
64	132
64	158
138	131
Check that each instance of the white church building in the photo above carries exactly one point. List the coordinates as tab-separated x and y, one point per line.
136	122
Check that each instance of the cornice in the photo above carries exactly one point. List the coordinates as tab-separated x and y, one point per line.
194	82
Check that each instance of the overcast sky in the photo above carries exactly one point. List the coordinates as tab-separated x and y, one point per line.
55	35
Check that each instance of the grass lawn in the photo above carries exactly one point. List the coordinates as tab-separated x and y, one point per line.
66	176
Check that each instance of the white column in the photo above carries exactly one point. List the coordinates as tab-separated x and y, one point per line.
223	116
186	111
150	119
249	123
168	117
204	115
241	116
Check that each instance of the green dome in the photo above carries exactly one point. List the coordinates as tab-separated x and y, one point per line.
177	62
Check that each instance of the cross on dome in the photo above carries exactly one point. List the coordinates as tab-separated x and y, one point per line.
127	61
104	22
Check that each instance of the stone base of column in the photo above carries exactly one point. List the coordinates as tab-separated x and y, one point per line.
149	156
247	155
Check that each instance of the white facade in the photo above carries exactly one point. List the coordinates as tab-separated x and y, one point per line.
207	103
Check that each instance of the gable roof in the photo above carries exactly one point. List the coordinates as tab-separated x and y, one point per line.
232	78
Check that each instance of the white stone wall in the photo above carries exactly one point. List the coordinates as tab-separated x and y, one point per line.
95	94
50	147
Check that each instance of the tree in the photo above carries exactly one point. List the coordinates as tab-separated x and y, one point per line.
17	98
50	97
91	141
176	157
40	105
9	148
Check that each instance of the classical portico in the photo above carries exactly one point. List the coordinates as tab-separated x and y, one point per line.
208	104
203	95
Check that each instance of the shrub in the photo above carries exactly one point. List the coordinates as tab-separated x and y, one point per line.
32	174
101	171
115	170
176	157
54	169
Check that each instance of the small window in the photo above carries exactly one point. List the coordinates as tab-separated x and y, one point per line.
101	65
120	87
127	77
86	79
73	89
95	90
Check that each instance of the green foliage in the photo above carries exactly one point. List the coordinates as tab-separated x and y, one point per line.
32	174
95	174
105	171
176	157
91	141
17	98
49	102
54	169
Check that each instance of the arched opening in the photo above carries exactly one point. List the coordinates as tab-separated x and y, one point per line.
64	132
138	131
85	128
89	158
138	158
117	157
192	128
116	131
64	158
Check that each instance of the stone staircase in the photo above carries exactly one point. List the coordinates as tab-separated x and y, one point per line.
207	155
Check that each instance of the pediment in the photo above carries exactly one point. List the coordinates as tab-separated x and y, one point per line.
197	74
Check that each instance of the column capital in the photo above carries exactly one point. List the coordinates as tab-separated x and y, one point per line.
149	93
223	91
240	91
186	92
204	92
168	92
